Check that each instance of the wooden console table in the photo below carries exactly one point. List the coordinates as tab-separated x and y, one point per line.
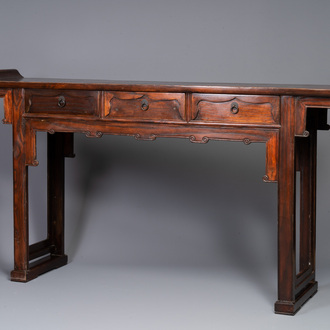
286	118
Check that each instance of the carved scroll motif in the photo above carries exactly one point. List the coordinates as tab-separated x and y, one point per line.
204	139
140	137
92	134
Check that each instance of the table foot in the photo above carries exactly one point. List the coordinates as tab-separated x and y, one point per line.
38	268
292	307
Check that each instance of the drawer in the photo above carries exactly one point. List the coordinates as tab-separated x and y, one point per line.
236	109
60	102
157	107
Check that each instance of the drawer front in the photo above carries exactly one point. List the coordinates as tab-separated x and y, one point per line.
60	102
158	107
236	109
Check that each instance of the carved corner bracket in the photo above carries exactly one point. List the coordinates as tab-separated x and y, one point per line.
272	153
272	147
7	104
31	144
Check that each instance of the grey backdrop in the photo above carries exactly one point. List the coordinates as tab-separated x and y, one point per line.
164	234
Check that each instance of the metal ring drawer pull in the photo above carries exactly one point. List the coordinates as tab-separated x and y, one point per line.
144	105
234	108
61	102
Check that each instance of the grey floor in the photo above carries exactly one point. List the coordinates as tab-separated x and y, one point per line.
87	295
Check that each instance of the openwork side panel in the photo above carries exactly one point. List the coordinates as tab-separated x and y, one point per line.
302	105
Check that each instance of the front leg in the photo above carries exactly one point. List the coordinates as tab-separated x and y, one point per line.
38	258
20	177
294	290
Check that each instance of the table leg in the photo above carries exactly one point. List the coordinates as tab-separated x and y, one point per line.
295	289
55	180
36	259
55	184
20	189
306	147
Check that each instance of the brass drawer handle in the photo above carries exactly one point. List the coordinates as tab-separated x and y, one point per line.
144	105
234	108
61	102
